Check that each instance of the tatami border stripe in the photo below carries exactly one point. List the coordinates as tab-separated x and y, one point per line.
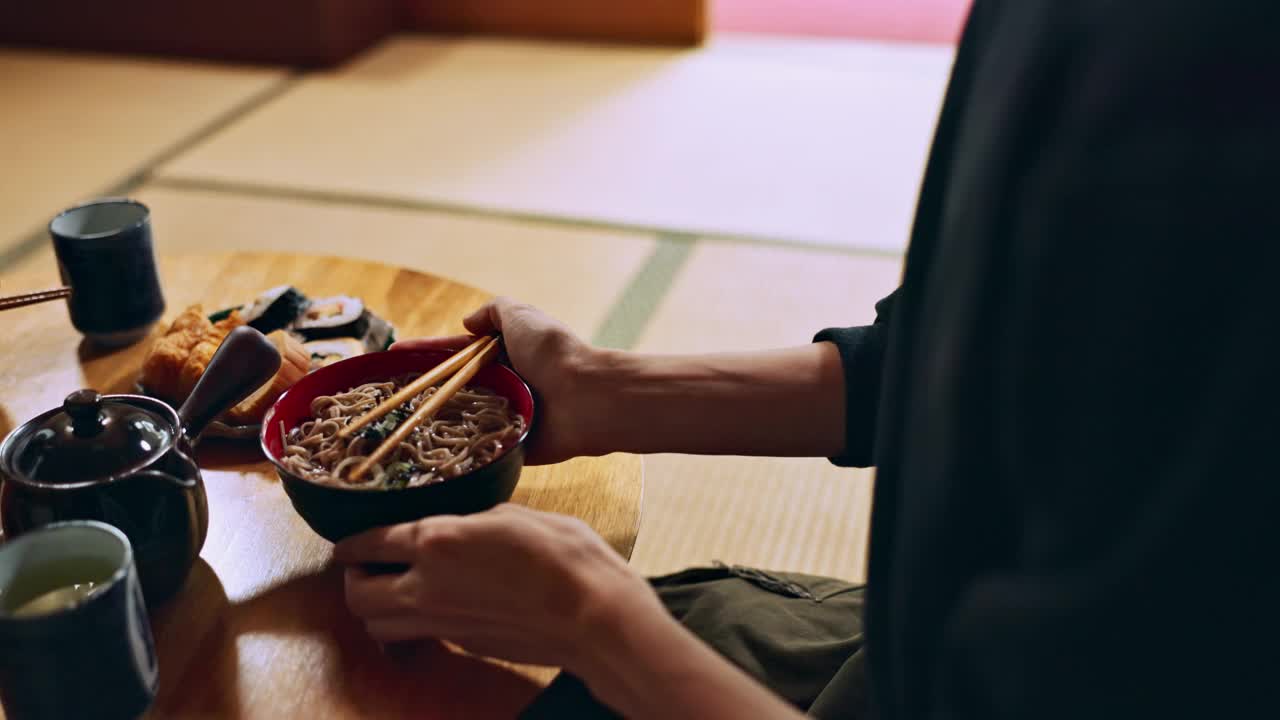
402	202
636	305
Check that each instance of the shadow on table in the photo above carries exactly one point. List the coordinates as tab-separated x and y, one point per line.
232	455
314	651
196	646
111	370
89	351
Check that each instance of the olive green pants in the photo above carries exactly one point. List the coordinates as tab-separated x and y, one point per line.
799	635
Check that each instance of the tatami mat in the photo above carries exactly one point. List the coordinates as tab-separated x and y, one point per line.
574	274
810	142
788	514
794	514
74	126
35	270
730	296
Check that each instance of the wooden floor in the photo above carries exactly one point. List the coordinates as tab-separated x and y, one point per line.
739	196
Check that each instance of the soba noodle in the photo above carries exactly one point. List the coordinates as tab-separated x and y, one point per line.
470	431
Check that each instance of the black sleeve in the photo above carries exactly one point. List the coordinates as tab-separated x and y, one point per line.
1139	410
862	353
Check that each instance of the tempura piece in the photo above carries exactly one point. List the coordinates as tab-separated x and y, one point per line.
162	369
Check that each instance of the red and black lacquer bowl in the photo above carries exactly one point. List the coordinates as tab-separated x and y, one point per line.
335	512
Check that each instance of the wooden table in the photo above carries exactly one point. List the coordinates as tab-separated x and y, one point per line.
260	629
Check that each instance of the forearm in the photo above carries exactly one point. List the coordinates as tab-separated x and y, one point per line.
648	666
779	403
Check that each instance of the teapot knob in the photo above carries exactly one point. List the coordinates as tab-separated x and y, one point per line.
85	409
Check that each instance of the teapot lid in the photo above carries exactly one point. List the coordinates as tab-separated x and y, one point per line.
90	437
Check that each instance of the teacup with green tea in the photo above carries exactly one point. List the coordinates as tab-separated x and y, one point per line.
71	606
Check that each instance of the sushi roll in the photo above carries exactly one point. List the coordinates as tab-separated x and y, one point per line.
327	352
333	317
274	309
378	335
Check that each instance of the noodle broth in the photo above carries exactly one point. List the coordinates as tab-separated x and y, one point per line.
470	431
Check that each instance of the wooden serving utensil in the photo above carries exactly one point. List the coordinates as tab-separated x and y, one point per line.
429	407
412	390
17	301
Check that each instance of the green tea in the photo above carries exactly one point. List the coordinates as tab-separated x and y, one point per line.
55	586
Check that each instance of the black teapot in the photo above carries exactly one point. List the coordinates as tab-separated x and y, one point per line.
127	460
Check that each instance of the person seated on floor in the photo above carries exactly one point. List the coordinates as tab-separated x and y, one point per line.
1071	402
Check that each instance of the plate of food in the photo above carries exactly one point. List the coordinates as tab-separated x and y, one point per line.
309	333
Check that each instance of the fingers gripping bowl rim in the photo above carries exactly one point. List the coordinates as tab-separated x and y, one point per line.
337	512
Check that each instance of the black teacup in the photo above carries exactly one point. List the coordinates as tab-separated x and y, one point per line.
75	641
106	257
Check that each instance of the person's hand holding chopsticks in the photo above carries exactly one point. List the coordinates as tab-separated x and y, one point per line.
550	357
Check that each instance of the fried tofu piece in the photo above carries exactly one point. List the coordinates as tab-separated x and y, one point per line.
202	352
201	355
162	368
197	361
192	321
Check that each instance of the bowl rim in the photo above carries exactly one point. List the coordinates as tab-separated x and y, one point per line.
287	475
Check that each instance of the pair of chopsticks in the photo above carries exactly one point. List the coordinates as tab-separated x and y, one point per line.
459	369
17	301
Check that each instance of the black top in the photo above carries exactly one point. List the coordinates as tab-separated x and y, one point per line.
1072	400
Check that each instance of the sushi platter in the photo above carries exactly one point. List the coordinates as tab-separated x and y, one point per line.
310	333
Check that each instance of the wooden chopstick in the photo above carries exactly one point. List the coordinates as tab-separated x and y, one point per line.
413	389
429	407
17	301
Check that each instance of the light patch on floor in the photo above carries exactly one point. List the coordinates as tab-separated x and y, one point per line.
74	125
803	141
741	297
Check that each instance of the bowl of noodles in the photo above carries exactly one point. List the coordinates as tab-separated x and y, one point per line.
466	459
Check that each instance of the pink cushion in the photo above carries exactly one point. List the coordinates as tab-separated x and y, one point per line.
929	21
